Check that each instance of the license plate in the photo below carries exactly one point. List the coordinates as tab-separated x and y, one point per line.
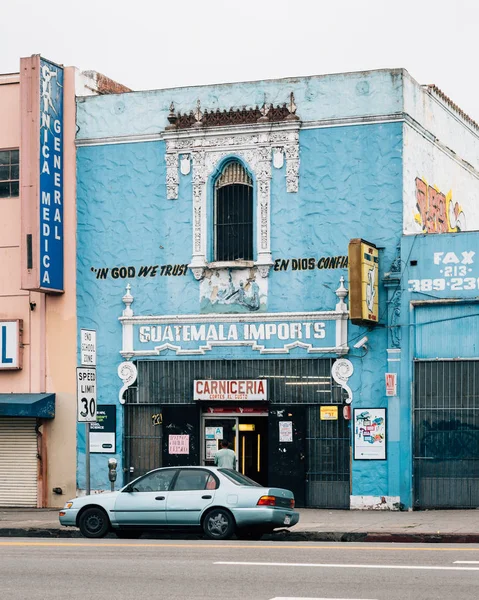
287	520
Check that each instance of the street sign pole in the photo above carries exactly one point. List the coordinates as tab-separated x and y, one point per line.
86	409
87	392
87	457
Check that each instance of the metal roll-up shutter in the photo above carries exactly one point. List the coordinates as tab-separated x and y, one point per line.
18	462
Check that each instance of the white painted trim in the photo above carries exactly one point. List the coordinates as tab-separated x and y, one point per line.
242	129
202	350
121	139
375	502
234	318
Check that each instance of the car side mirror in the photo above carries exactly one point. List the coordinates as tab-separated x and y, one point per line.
128	488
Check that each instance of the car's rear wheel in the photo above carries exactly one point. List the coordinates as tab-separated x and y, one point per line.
94	523
127	535
218	524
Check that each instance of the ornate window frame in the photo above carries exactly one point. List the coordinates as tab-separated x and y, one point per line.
259	146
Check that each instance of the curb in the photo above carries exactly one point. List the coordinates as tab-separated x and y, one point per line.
279	536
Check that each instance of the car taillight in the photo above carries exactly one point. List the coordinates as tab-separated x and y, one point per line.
267	501
292	503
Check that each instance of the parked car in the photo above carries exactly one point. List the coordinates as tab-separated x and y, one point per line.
220	501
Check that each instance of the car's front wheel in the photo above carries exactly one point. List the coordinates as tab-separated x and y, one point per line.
94	523
219	524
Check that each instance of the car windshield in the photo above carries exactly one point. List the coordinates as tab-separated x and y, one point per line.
238	479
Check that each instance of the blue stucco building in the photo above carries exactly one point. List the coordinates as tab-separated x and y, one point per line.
213	231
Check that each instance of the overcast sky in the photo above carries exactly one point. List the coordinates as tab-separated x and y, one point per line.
148	44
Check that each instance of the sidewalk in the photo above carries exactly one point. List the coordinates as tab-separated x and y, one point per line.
439	526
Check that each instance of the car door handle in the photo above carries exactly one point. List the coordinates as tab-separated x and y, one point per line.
206	497
160	498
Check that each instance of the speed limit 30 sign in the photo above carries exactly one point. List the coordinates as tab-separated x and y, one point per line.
86	395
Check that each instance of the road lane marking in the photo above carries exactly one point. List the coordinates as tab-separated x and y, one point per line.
346	566
466	562
300	598
242	546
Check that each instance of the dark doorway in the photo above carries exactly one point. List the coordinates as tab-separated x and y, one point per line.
246	435
181	420
287	449
253	448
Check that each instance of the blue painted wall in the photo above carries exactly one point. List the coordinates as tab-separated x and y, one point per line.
350	186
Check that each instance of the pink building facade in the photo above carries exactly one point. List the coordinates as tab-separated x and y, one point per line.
38	332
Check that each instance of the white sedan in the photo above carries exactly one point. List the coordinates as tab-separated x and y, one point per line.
219	501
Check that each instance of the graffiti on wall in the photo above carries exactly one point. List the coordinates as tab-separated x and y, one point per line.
437	213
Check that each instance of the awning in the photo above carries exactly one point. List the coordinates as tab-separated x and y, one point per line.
27	405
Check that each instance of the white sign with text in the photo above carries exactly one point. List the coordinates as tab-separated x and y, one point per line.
88	347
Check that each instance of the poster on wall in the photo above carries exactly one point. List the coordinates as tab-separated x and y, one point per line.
286	431
178	444
211	447
103	431
370	434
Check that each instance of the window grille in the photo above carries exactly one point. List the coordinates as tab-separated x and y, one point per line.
233	222
9	173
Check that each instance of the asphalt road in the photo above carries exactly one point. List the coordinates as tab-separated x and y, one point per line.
173	570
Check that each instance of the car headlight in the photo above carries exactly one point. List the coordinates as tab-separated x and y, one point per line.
68	505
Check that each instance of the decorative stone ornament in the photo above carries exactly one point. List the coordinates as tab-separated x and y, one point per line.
253	144
341	371
278	158
127	372
185	164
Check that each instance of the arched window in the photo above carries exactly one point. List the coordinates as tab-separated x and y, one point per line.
233	214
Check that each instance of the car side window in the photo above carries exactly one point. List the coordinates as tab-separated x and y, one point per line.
195	479
158	481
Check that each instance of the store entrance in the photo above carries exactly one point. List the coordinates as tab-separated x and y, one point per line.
246	435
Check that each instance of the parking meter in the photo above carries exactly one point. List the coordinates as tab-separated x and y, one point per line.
112	463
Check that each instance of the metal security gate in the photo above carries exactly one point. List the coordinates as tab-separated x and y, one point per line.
328	449
446	434
294	386
143	437
18	462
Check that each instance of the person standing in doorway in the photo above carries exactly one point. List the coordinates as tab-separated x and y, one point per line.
225	457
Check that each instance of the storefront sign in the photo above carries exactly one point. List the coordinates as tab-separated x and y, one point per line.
51	176
328	413
11	347
103	432
230	389
363	267
41	181
391	384
178	444
369	434
447	272
286	431
273	334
